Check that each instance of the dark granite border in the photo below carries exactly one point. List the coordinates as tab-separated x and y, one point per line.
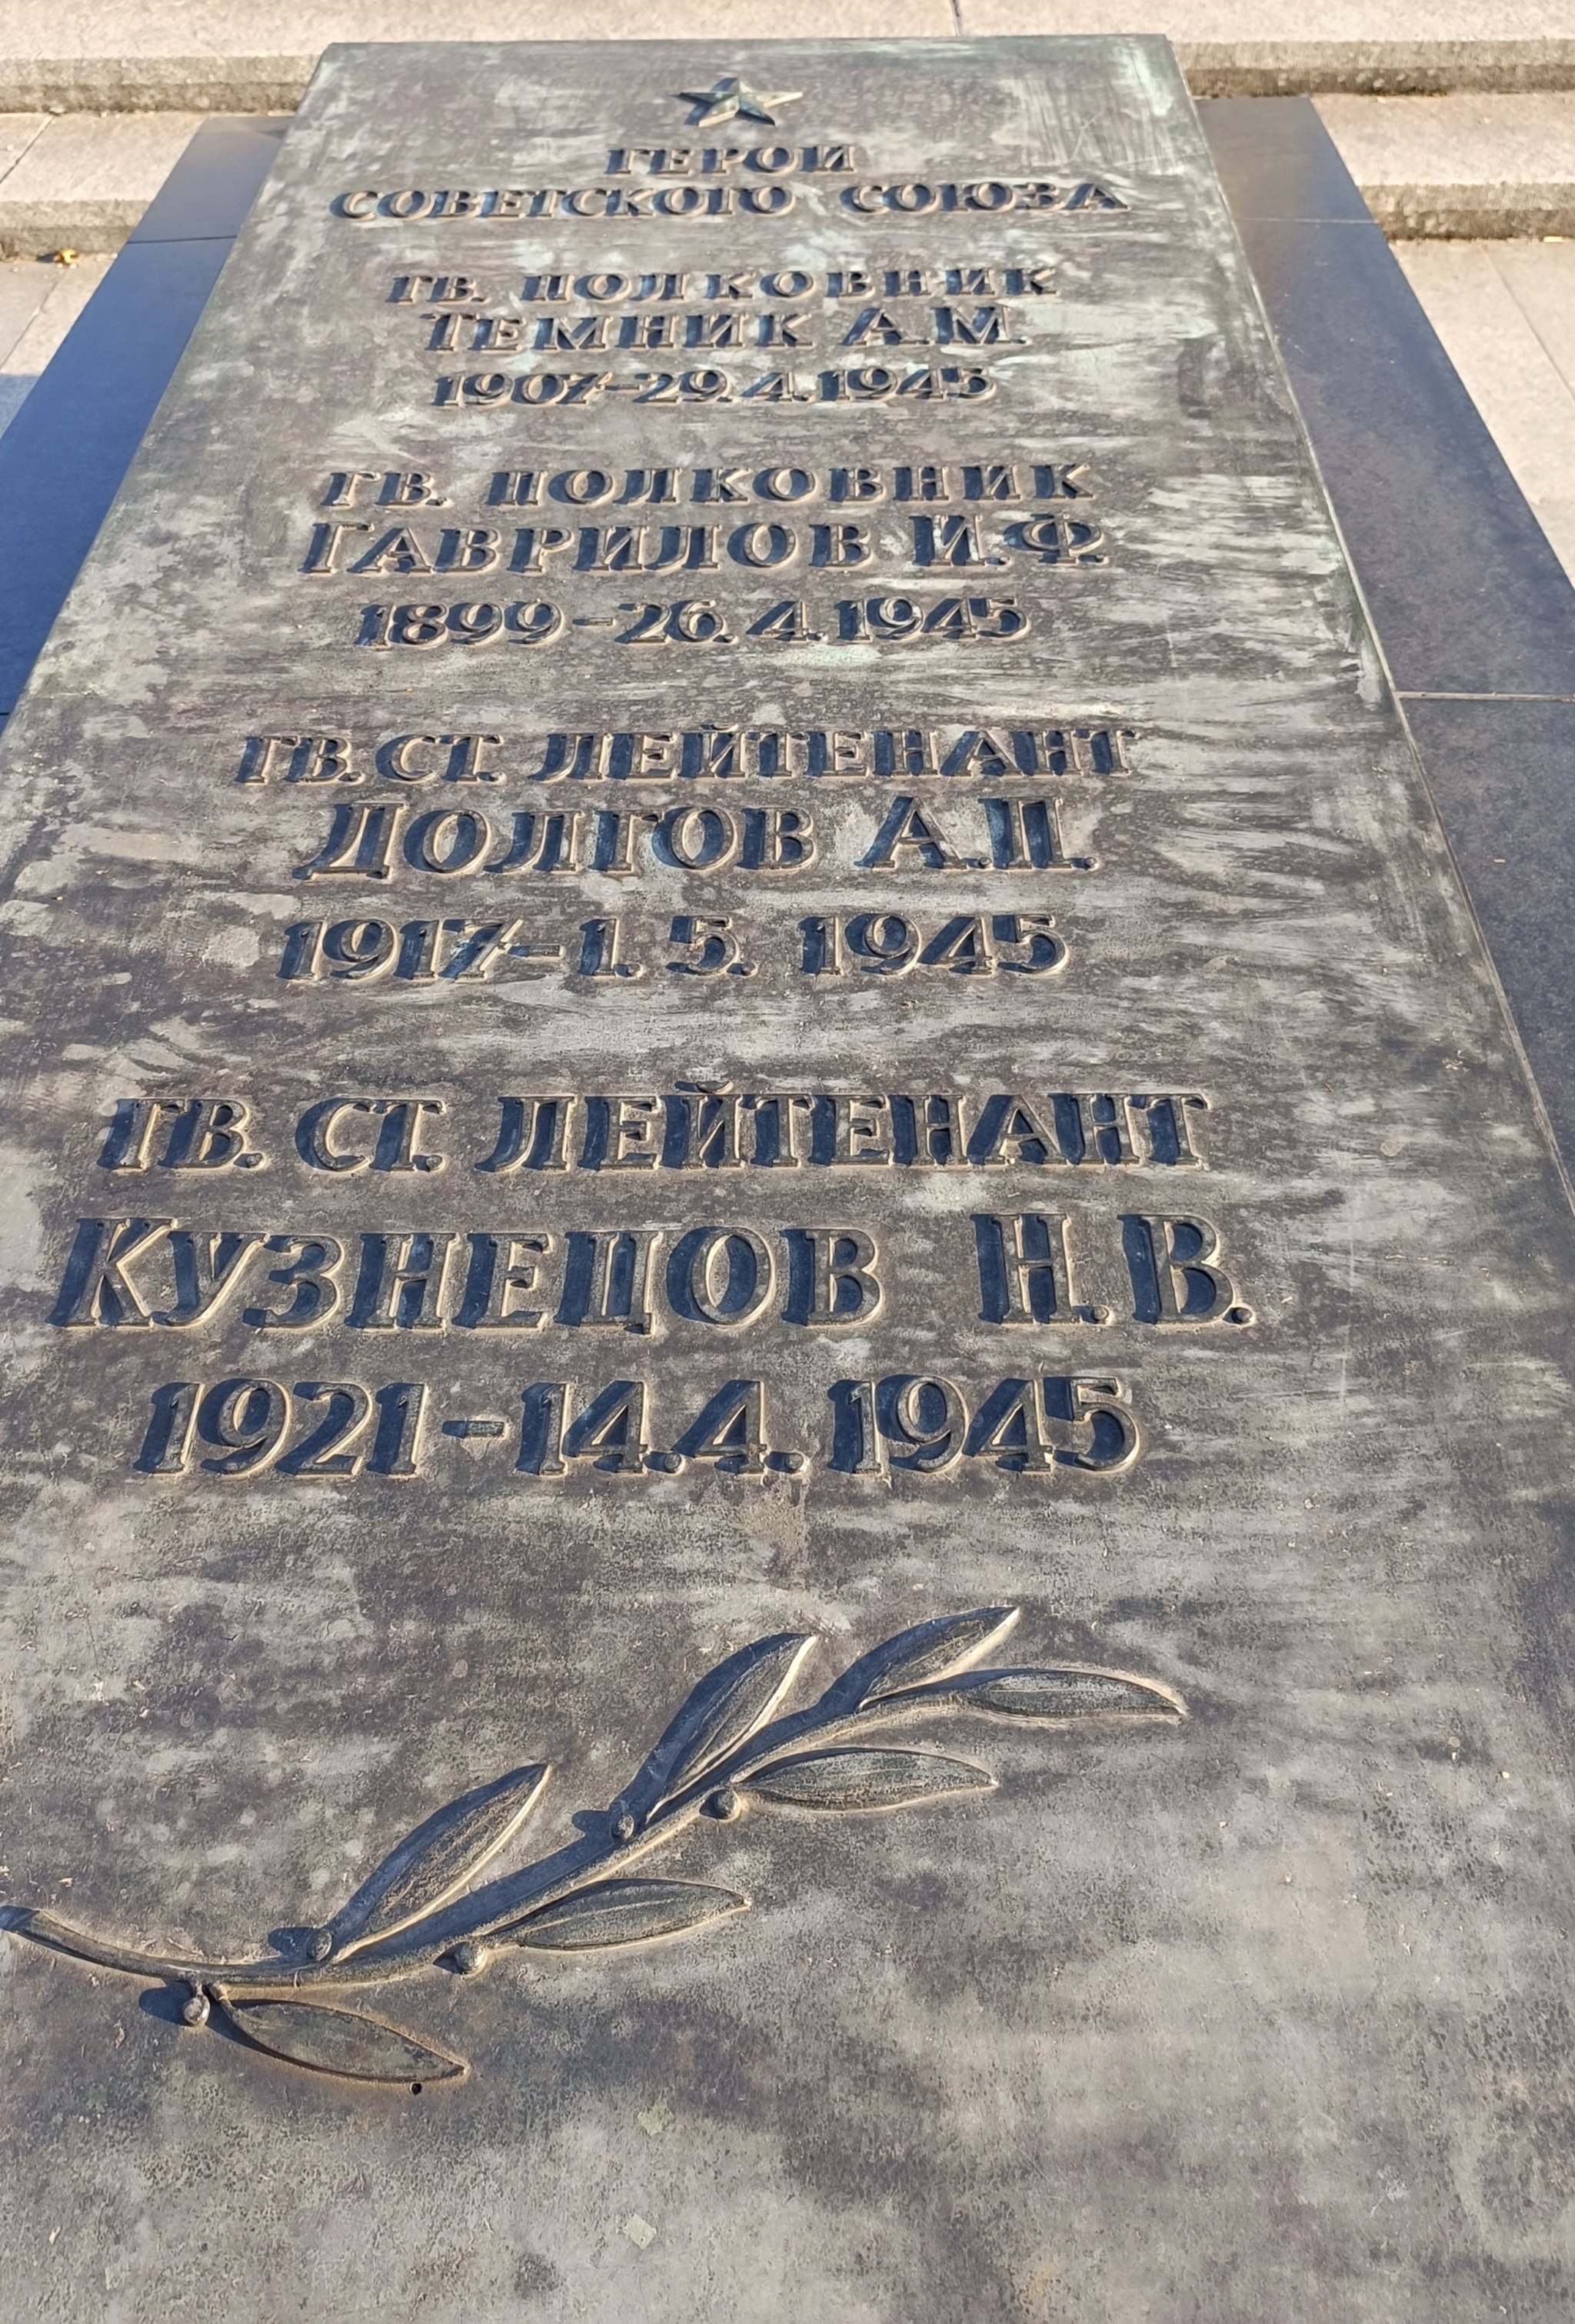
62	458
1474	611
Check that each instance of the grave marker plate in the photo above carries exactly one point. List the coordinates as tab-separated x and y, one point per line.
725	956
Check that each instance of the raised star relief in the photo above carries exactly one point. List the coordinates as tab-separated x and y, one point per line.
727	98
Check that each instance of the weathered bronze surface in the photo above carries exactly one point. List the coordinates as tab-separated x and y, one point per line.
723	956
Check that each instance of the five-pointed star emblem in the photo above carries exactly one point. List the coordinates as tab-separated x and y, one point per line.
727	98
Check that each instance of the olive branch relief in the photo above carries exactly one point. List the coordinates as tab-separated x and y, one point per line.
730	1747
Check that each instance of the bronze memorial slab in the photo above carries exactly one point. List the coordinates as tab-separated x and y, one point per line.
744	1065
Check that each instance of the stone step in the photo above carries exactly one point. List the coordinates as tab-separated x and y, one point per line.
1460	166
81	181
211	56
1478	166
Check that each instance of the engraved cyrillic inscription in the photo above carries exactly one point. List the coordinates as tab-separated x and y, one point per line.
700	1125
729	481
906	749
969	858
199	1133
762	195
381	840
161	1274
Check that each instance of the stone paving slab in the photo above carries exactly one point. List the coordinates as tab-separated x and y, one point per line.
1506	313
18	131
38	306
24	286
189	55
1472	166
1197	2029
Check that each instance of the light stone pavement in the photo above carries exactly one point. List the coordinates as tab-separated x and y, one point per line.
39	302
1506	313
